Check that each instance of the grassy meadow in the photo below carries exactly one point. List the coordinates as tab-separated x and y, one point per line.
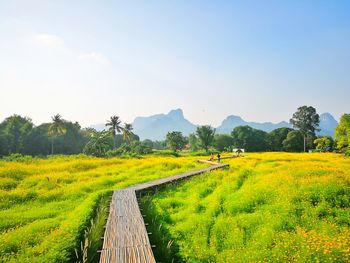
267	207
47	204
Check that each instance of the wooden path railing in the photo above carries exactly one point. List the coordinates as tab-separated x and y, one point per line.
126	238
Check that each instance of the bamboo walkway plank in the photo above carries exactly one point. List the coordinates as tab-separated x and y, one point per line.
126	238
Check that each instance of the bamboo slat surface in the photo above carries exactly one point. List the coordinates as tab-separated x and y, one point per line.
126	239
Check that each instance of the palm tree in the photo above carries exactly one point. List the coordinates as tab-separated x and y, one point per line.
127	132
56	128
98	143
114	123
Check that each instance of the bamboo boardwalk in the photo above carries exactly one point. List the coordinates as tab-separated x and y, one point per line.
126	238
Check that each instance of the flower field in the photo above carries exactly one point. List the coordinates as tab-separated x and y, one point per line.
268	207
46	205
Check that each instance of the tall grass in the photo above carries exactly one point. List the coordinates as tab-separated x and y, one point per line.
92	242
268	207
46	206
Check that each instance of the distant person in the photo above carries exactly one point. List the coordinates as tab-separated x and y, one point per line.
218	157
212	157
238	152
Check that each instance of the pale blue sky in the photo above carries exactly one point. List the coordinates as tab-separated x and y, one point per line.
88	60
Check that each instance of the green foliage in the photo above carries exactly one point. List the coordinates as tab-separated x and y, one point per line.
342	133
127	132
119	139
3	142
159	145
324	144
148	143
55	129
309	141
115	127
347	152
193	142
134	148
73	141
15	129
17	157
206	136
166	250
306	120
223	142
250	139
276	138
293	142
57	126
175	140
92	242
38	142
18	135
99	144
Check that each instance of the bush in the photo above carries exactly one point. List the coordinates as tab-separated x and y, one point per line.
324	144
347	152
133	149
17	157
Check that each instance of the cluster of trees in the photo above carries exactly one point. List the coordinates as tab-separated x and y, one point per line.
303	137
19	135
245	137
117	140
202	139
342	134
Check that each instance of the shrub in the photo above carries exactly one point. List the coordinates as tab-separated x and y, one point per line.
17	157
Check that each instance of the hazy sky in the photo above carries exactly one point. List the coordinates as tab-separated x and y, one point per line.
88	60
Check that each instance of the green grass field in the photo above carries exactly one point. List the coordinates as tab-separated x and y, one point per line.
265	207
268	207
46	205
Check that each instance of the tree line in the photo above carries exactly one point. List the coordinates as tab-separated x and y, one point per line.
301	138
19	135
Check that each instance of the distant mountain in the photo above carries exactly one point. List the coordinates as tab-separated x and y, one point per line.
233	121
327	124
156	127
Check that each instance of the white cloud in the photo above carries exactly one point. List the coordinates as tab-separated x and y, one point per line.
48	40
95	57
